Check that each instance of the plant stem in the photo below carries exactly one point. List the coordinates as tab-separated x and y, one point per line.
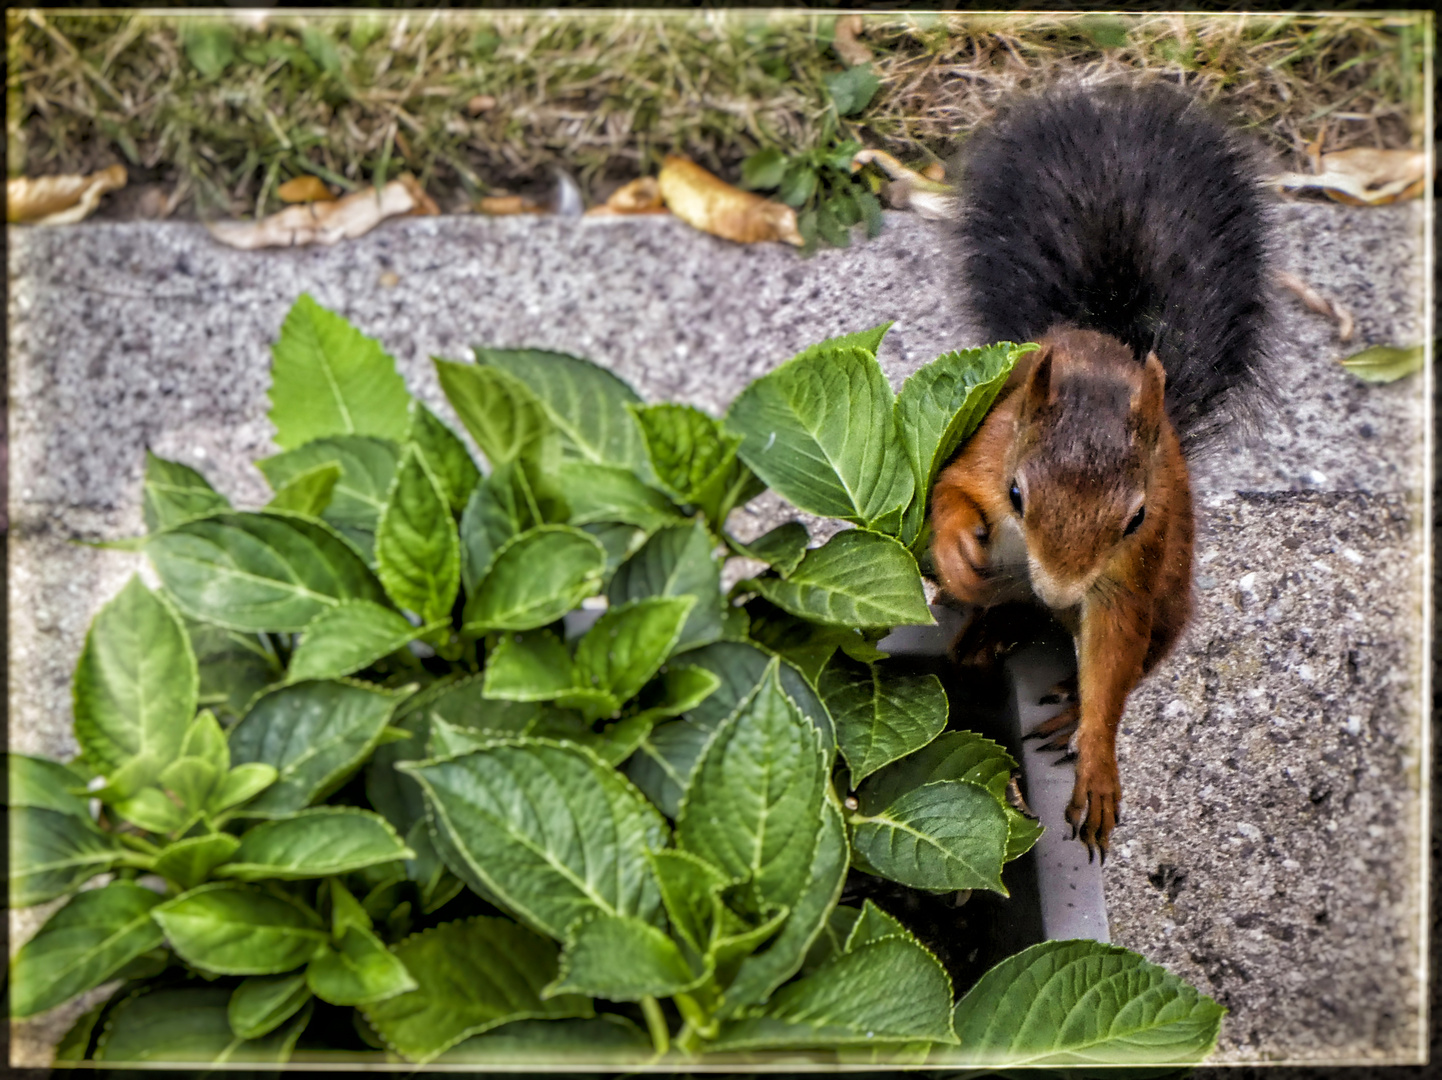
660	1033
138	843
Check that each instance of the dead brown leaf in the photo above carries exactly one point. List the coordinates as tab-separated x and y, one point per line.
505	205
1363	176
907	189
304	189
851	51
59	200
1319	303
480	103
641	196
328	222
708	203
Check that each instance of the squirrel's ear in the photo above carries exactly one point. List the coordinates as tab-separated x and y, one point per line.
1149	400
1038	382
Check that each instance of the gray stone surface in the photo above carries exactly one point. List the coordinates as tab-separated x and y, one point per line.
1273	839
123	336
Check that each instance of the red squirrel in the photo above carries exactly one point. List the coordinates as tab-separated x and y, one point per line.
1121	229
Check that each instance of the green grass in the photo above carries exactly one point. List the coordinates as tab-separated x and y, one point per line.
230	109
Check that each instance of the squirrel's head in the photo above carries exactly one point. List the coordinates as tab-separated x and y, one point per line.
1086	442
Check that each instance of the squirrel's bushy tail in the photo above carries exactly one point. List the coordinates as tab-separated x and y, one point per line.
1130	211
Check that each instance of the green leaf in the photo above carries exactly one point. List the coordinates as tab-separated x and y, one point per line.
210	46
666	757
676	561
503	415
621	958
806	644
548	828
782	548
870	208
446	456
829	225
188	1024
629	644
513	596
357	971
437	884
831	941
368	468
82	945
174	493
857	578
764	169
870	340
753	807
418	555
330	379
503	968
606	1037
1022	833
309	493
46	785
236	930
1082	1003
135	686
255	572
242	783
346	638
799	183
534	666
261	1003
189	862
585	402
321	47
759	975
152	810
944	836
190	782
887	990
942	404
690	888
681	688
315	734
205	739
315	843
872	924
821	431
233	667
852	89
52	854
687	449
954	755
880	713
608	493
1384	363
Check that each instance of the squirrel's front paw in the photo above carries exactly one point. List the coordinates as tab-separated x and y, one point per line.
959	545
1095	800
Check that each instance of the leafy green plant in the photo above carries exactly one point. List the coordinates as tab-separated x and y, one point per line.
819	183
479	766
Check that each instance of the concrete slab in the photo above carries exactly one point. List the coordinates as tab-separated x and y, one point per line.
128	335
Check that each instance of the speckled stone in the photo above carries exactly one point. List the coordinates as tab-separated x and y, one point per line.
123	336
1273	835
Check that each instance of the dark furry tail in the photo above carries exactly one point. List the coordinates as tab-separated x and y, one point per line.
1130	211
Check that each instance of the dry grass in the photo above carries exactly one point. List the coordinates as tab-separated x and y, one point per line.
355	99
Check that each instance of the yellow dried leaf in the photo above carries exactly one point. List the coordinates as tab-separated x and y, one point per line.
642	196
1363	176
844	42
324	223
303	189
708	203
505	205
59	200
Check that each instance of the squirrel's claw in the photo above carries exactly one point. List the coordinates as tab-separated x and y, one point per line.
1065	690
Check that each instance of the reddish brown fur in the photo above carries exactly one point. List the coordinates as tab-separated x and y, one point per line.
1082	429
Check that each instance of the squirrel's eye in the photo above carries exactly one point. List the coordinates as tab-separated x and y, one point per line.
1015	497
1136	521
